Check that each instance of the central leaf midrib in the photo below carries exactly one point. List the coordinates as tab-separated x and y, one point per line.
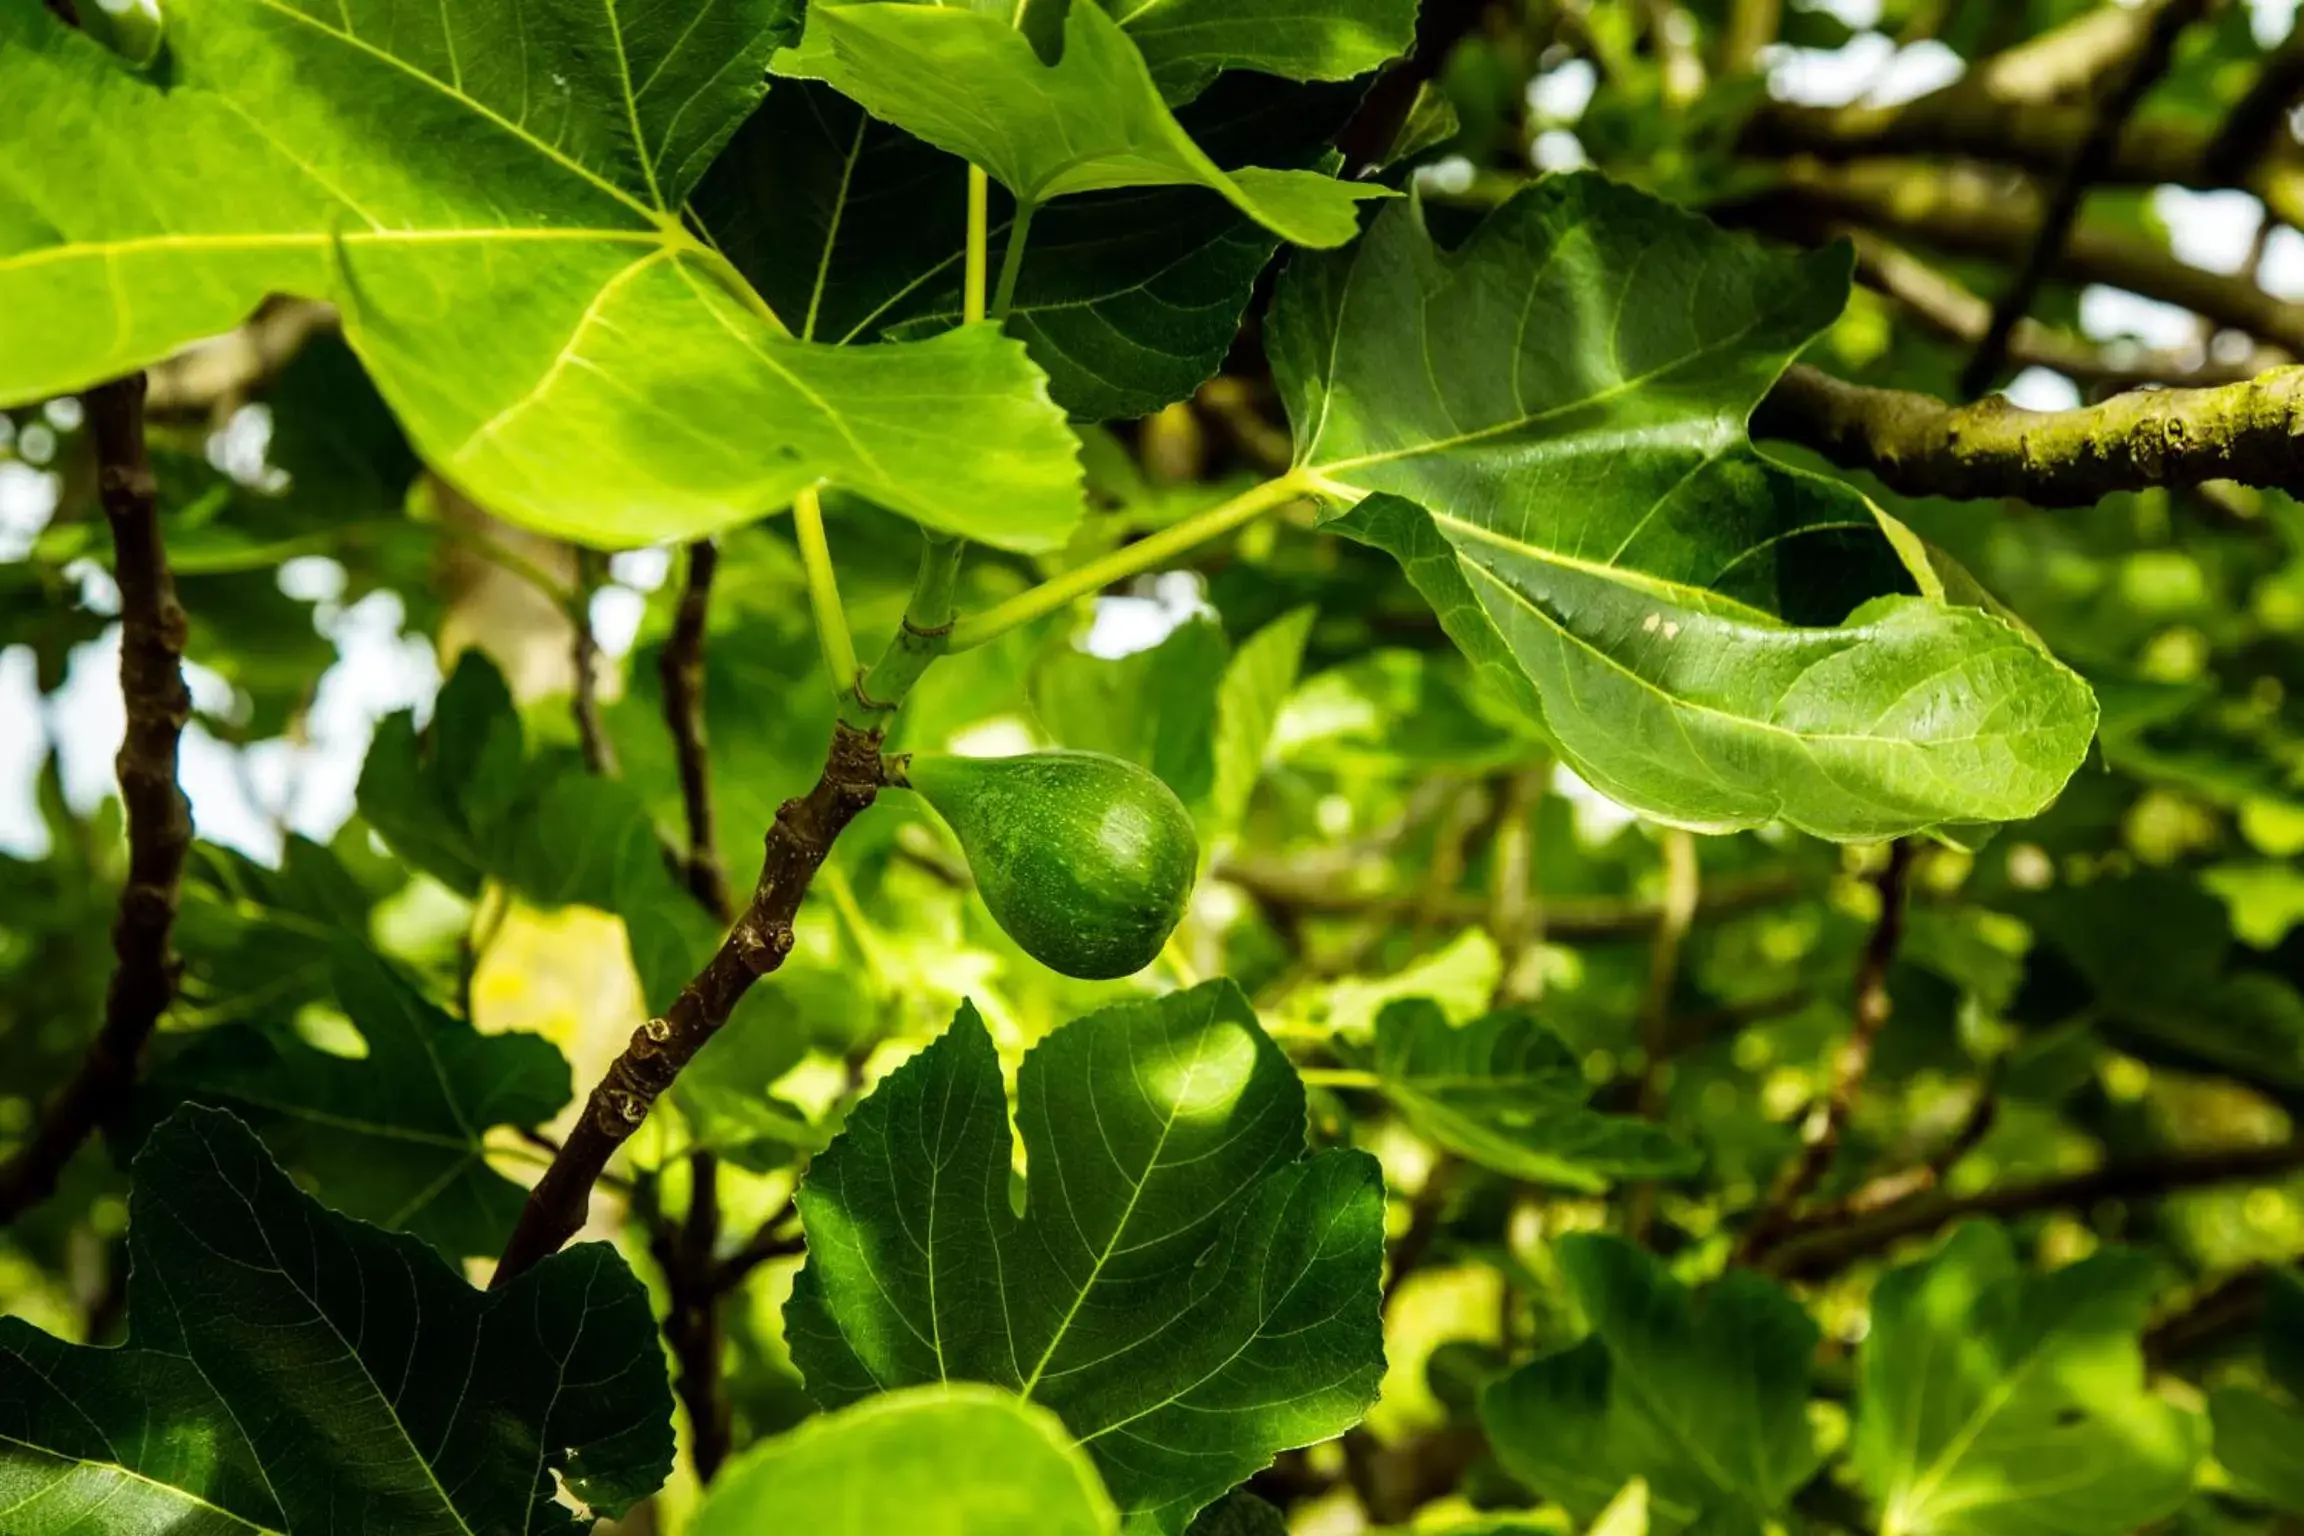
1127	1214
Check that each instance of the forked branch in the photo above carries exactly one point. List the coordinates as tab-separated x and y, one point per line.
152	629
798	842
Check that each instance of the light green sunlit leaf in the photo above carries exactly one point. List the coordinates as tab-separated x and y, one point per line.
1546	426
941	1461
971	83
1989	1398
1507	1093
493	197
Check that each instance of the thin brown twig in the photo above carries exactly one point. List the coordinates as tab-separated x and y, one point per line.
1966	212
591	734
2088	165
2213	1313
1831	1249
152	632
1425	1213
681	666
692	1327
1904	1183
774	1239
1567	919
1827	1119
797	845
1683	891
2253	127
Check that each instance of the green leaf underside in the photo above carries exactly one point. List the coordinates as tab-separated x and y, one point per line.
292	1371
1129	298
970	83
1546	426
1186	1289
959	1459
396	1137
1987	1395
492	197
2260	1441
1707	1399
1187	43
1507	1093
465	803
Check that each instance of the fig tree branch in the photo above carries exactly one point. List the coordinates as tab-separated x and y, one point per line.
2086	168
2254	129
152	630
1830	1250
1964	212
1960	315
1975	124
797	845
591	735
1567	919
680	667
1827	1120
1920	446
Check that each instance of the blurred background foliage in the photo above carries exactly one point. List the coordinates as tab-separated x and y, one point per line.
2112	986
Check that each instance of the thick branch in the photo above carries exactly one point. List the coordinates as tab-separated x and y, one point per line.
1969	214
1827	1122
681	667
2086	168
152	628
1833	1249
798	843
1920	446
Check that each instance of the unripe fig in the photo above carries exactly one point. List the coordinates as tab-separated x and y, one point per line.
1085	860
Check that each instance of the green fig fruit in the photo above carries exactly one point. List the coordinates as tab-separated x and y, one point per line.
1085	860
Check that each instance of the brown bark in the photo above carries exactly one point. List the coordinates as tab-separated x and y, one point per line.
152	629
1827	1123
1832	1249
798	843
1920	446
2089	162
681	667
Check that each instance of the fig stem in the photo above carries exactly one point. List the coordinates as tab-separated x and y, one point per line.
1145	554
920	638
823	589
979	244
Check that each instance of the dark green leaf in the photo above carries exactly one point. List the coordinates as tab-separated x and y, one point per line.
1705	1398
292	1371
1186	1288
395	1137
